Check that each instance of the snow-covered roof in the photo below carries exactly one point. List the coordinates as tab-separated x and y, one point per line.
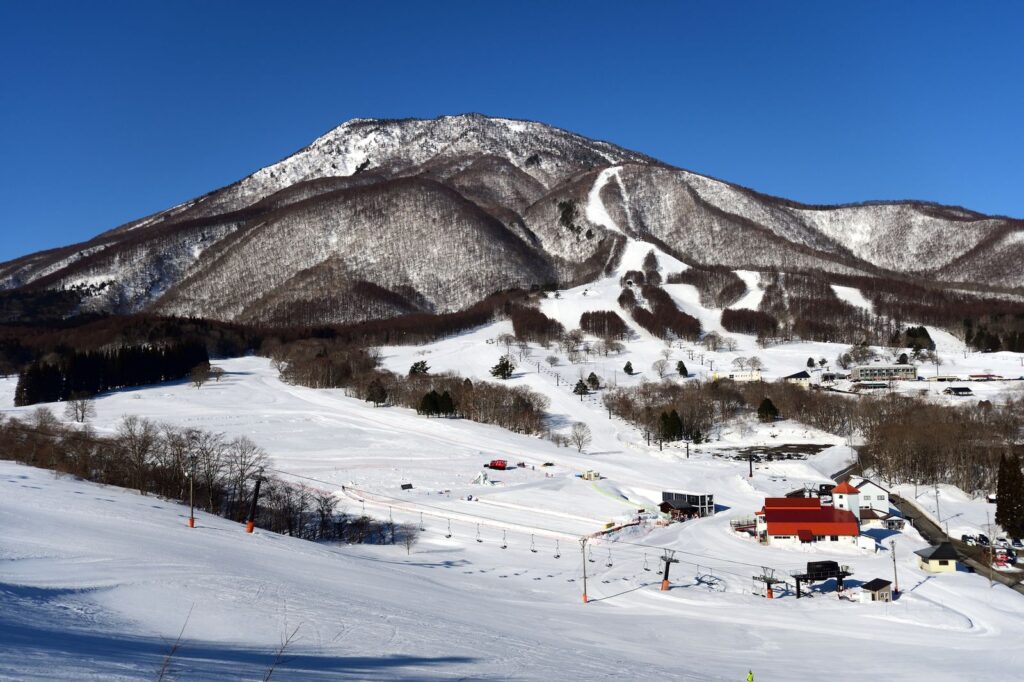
943	551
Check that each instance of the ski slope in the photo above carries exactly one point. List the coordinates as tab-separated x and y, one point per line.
97	582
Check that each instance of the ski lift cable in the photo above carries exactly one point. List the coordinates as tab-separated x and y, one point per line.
502	522
445	513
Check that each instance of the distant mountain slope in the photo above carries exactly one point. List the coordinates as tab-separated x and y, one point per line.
380	217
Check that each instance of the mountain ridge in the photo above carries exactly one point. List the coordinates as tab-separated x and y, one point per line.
509	198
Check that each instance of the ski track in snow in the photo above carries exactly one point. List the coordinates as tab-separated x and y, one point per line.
853	296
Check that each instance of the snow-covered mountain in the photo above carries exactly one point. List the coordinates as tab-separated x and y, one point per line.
382	217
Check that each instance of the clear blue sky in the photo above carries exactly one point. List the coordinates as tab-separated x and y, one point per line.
110	111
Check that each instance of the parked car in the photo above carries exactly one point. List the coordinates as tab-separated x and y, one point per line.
969	540
1016	543
983	540
1002	542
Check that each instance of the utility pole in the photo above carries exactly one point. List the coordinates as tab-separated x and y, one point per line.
750	461
191	491
669	559
938	514
895	576
251	523
687	449
988	527
583	553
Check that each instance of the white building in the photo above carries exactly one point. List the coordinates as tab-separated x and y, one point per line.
737	375
872	495
845	496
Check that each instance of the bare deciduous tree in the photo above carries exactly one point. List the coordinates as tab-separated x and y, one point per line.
245	459
80	409
199	375
580	436
660	368
138	440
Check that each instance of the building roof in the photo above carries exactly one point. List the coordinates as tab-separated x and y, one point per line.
899	367
792	503
863	481
821	521
799	375
876	585
845	488
959	390
943	551
867	513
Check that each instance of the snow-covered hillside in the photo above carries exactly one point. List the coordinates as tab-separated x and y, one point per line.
436	214
97	582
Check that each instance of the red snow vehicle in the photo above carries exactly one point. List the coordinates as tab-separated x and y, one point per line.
498	464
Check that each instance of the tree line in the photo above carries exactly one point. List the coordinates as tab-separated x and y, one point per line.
905	438
159	459
76	374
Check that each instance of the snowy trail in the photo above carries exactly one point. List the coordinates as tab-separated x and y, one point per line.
751	299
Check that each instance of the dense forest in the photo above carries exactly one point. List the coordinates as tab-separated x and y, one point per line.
76	374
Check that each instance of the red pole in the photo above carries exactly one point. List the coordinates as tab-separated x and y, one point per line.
251	523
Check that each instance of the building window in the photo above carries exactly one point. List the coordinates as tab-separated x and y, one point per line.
881	497
943	562
834	538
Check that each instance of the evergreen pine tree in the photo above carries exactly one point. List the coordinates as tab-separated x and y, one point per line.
430	403
677	425
376	393
628	369
766	411
419	367
1004	500
810	363
1010	496
504	368
664	427
445	404
681	369
593	382
580	389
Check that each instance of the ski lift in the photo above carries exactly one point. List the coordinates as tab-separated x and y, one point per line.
609	564
558	552
504	540
478	538
533	547
646	565
421	521
590	554
449	533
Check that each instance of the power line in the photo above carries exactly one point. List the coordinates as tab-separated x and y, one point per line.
445	512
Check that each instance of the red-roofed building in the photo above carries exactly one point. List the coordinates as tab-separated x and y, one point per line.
805	520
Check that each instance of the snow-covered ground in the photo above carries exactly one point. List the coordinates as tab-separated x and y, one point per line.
95	581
